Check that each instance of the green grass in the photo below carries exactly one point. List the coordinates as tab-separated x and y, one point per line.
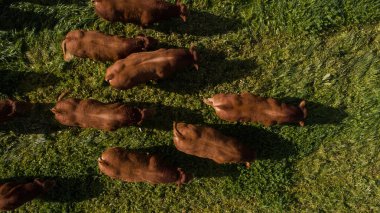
326	52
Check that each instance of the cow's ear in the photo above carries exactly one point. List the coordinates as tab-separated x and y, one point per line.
109	77
54	110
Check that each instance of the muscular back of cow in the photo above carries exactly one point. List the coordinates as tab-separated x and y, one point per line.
143	12
142	67
133	166
247	107
102	47
94	114
206	142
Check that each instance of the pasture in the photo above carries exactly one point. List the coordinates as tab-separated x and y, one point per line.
324	52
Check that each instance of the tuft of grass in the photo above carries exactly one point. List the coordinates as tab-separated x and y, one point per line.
326	52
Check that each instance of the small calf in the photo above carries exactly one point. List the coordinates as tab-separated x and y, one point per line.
15	194
142	67
10	109
247	107
132	166
206	142
98	46
94	114
143	12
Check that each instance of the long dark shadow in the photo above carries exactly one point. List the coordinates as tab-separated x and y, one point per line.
165	115
12	18
214	69
318	113
40	120
13	81
200	23
198	167
67	189
75	189
268	145
47	2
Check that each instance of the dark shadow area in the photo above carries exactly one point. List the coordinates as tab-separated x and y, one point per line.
199	23
20	82
67	189
12	18
46	2
165	115
55	2
166	46
268	145
318	113
321	114
214	69
75	189
40	120
198	167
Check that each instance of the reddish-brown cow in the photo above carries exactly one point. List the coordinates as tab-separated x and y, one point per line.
143	12
142	67
94	114
247	107
206	142
98	46
132	166
15	194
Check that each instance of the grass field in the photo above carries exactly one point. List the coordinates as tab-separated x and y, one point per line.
326	52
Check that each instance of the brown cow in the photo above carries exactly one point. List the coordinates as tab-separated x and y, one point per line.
143	12
98	46
142	67
247	107
10	109
15	194
94	114
206	142
132	166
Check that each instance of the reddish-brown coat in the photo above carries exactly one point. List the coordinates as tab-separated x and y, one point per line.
15	194
98	46
206	142
94	114
132	166
143	12
247	107
142	67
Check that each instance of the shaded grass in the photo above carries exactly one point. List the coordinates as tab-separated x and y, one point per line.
326	52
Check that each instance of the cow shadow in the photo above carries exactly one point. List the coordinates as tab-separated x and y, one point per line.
318	113
55	2
199	23
214	69
75	189
322	114
12	18
165	115
46	2
192	165
40	120
67	189
12	82
268	145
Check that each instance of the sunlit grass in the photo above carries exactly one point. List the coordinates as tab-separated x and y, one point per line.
326	52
